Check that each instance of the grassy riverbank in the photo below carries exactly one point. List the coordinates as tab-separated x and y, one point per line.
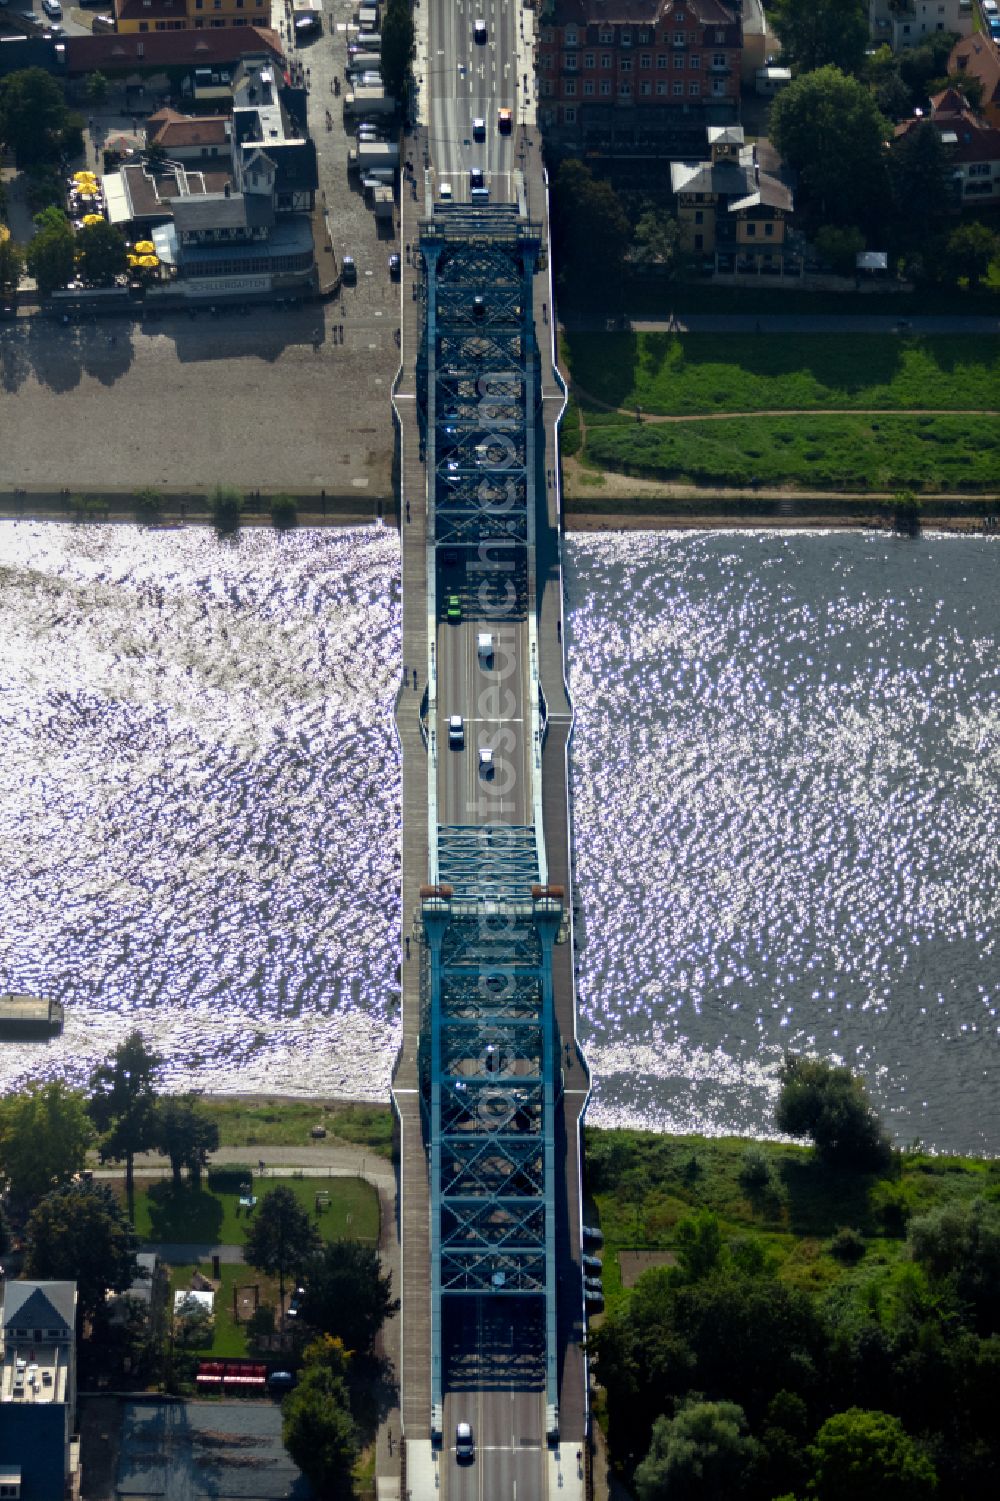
269	1122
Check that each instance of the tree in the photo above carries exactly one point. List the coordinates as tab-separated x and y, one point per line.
920	174
702	1454
227	507
699	1245
829	1104
102	253
868	1456
284	511
281	1237
184	1134
657	241
591	233
829	130
840	246
814	33
319	1433
79	1234
11	265
51	256
33	116
971	249
960	1243
347	1295
97	88
123	1106
44	1136
397	47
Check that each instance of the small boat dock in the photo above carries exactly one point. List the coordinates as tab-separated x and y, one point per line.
29	1016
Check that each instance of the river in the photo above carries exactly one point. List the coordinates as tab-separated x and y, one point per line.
786	764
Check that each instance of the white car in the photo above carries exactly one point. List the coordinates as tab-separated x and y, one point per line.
484	647
444	192
485	760
479	128
456	732
479	32
52	9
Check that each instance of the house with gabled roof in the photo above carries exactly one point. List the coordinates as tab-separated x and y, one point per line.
971	146
730	209
39	1454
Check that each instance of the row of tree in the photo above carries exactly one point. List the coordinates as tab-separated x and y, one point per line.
724	1380
46	1129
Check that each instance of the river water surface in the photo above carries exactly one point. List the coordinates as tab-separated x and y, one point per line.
786	768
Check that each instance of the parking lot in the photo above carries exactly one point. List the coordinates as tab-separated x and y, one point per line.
277	399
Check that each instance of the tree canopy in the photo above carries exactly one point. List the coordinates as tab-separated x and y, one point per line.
102	253
590	231
317	1427
281	1237
347	1295
971	249
184	1133
11	265
816	32
397	47
829	1104
123	1106
920	173
79	1234
33	116
868	1456
704	1453
828	128
51	254
44	1136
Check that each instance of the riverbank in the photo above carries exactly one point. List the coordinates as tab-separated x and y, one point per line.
622	504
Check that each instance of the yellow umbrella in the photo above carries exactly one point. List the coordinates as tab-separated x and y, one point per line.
93	218
148	260
134	260
144	247
84	177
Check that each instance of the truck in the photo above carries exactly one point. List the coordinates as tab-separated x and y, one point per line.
364	62
368	102
369	156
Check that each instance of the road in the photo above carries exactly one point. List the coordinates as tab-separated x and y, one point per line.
467	81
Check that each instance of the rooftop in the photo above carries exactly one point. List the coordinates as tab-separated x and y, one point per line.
641	12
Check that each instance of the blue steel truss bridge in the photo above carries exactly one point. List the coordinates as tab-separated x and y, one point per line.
490	1085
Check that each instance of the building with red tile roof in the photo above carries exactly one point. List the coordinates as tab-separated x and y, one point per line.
972	146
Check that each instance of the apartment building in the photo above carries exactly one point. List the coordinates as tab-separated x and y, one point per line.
639	78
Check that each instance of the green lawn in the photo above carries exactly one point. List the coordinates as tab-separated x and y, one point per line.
189	1214
672	374
810	453
289	1123
228	1337
642	1183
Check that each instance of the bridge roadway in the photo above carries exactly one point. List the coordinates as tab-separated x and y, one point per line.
493	1352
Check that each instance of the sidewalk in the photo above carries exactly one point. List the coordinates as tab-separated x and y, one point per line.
324	1160
790	323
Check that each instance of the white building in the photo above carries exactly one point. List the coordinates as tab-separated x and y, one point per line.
906	23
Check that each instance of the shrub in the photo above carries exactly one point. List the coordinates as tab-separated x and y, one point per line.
229	1177
755	1168
148	504
284	512
847	1246
227	508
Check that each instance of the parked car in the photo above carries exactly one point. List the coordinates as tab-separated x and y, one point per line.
52	9
295	1302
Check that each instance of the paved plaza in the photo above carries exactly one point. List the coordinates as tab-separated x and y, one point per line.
290	399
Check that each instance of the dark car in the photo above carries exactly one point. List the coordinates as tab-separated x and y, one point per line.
295	1303
395	267
465	1446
